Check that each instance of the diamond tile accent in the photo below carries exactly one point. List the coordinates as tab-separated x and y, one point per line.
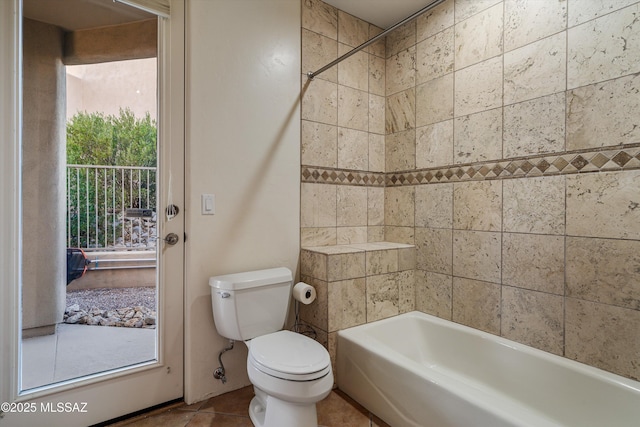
614	158
599	160
621	158
579	162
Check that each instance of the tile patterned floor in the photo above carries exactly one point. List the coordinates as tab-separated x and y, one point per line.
230	410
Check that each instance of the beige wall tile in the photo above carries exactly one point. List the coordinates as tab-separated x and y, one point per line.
406	291
603	270
375	206
399	206
527	21
434	56
476	304
533	318
434	145
400	71
318	205
604	205
318	236
535	70
319	101
605	48
399	234
353	106
377	109
604	114
317	51
479	37
604	336
346	266
382	297
434	101
434	206
346	304
378	48
534	205
375	233
401	111
478	87
433	293
313	264
533	261
401	39
347	235
382	262
351	30
352	206
476	255
353	149
478	137
376	153
477	205
435	20
320	17
434	250
467	8
316	313
353	71
535	126
319	144
400	152
585	10
377	75
406	259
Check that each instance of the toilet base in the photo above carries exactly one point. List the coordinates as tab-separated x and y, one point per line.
269	411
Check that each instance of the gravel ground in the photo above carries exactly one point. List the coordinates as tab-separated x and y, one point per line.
113	299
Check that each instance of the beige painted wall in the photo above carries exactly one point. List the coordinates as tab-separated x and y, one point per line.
104	87
243	130
44	257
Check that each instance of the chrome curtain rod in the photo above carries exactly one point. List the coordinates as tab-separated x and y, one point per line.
312	74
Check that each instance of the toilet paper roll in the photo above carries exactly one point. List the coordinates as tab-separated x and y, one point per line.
304	293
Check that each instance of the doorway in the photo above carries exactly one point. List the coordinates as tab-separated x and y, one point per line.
115	390
110	224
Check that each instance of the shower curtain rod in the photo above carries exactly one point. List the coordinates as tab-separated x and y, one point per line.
312	74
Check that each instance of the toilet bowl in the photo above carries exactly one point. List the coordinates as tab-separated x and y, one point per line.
290	372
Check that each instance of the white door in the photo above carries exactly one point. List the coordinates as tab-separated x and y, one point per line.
107	395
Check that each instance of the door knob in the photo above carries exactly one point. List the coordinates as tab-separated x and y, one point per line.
172	239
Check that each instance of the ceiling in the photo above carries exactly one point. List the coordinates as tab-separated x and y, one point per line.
73	15
383	13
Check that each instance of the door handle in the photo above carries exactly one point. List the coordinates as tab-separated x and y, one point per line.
172	239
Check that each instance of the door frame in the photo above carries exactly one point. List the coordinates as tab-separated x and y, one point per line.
120	385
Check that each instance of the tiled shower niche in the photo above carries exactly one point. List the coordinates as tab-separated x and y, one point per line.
356	284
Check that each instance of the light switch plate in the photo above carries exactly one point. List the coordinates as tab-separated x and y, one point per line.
208	204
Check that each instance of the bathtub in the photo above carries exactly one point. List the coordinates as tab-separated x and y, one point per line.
419	370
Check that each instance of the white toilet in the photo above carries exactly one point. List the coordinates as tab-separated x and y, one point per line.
289	371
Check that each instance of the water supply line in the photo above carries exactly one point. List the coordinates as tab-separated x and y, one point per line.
219	373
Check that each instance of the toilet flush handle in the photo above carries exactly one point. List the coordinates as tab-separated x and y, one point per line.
224	294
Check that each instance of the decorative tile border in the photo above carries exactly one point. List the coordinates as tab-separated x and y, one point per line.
624	157
342	176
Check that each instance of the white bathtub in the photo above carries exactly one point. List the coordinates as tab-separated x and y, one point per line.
419	370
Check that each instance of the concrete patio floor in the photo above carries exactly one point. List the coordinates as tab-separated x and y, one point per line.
79	350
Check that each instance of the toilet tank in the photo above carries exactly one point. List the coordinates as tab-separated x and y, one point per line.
250	304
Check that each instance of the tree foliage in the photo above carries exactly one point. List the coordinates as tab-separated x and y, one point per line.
109	140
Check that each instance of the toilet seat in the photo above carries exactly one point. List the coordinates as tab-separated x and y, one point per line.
289	356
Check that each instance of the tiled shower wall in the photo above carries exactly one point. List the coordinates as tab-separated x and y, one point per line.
343	130
512	162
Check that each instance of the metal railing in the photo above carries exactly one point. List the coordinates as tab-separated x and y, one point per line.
111	207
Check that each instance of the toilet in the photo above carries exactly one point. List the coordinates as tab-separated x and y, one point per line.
290	372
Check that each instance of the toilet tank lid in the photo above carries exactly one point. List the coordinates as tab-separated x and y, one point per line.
251	279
